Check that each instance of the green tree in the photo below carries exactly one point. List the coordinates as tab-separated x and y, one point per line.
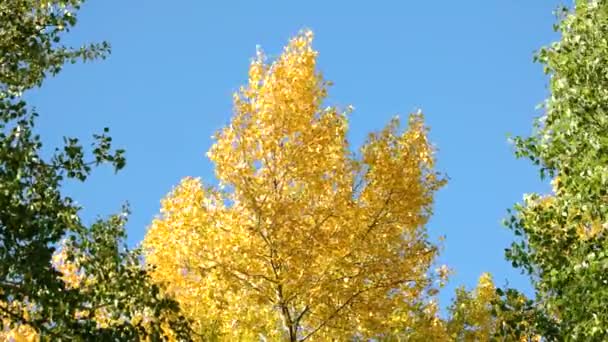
564	240
35	216
30	43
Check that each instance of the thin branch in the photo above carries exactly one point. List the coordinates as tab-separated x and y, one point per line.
301	315
349	301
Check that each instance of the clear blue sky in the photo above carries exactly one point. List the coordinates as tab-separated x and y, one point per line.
167	87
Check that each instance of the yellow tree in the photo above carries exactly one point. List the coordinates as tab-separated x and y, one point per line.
302	239
472	318
485	314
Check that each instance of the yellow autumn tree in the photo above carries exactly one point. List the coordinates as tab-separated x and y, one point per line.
472	318
16	332
483	315
302	239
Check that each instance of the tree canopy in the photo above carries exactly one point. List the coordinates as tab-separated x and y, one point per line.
564	242
44	244
300	236
302	239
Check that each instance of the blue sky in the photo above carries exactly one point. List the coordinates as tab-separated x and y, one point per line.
167	88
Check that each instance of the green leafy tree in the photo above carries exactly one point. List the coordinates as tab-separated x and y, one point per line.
564	238
30	42
121	300
35	216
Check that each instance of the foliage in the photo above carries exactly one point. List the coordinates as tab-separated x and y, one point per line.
519	318
302	240
564	244
35	300
487	313
30	42
120	295
471	316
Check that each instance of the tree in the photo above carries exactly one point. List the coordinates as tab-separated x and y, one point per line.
488	313
35	300
122	301
471	316
302	239
30	43
564	241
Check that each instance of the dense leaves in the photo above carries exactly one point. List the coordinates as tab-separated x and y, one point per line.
471	316
30	42
564	245
121	301
37	300
490	314
302	240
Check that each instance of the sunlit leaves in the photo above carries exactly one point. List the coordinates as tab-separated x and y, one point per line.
30	42
564	234
302	239
92	289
